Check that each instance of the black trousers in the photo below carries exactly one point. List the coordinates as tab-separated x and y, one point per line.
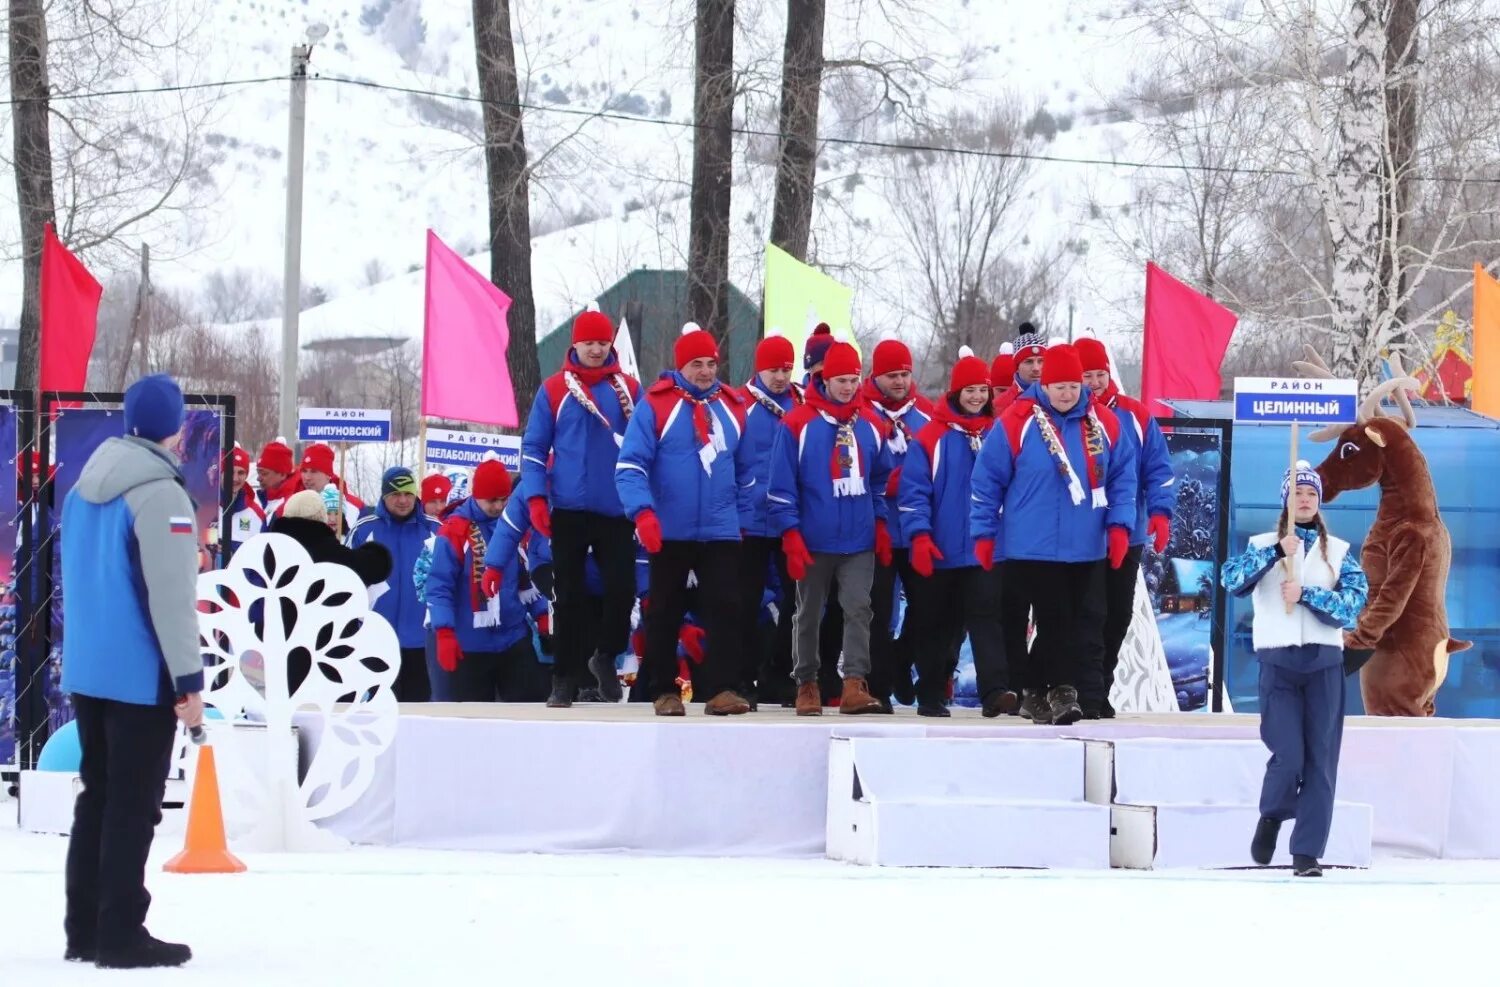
127	751
1119	604
889	655
510	676
944	607
1067	602
613	542
412	685
767	664
1025	671
718	610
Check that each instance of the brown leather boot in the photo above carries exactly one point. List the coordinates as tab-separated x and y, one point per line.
726	703
669	704
857	698
809	699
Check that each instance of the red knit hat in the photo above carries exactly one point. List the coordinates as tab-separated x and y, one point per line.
891	356
694	344
1029	350
241	458
968	371
1092	354
816	347
491	481
593	326
1003	370
1062	366
318	457
775	353
841	360
436	487
277	457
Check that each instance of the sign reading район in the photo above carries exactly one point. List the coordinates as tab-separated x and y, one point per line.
1294	399
451	447
343	425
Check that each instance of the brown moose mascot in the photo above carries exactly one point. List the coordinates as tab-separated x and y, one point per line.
1406	554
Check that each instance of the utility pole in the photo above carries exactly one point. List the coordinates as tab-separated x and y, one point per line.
292	280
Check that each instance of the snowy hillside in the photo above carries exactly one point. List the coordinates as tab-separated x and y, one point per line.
382	166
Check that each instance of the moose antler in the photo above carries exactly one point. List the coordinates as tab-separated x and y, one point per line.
1314	366
1317	368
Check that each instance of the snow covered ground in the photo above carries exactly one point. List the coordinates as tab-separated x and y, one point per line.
381	916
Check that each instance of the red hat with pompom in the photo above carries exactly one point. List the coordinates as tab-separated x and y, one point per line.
491	480
1092	354
775	352
1061	365
969	371
694	344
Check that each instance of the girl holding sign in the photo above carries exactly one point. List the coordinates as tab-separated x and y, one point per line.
1300	613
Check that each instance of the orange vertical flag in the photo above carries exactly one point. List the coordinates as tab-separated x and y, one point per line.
1486	385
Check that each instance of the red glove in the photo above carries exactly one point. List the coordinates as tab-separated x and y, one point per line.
449	654
541	518
1160	528
798	558
882	542
1119	544
923	551
984	551
648	530
491	580
544	624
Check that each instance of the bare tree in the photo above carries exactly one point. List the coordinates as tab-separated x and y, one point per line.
713	167
32	162
508	174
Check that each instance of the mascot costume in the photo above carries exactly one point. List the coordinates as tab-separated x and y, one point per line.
1406	554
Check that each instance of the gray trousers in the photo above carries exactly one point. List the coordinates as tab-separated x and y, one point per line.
854	574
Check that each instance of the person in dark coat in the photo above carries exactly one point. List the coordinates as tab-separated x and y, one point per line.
304	521
399	523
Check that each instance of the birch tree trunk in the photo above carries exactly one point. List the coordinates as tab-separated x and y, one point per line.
509	181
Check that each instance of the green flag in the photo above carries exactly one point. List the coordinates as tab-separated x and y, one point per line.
798	297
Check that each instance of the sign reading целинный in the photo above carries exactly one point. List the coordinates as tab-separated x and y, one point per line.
343	425
1295	399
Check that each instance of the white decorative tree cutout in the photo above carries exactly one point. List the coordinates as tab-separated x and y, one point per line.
282	634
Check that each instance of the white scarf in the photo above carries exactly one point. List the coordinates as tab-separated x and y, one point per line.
898	427
1060	455
851	483
581	395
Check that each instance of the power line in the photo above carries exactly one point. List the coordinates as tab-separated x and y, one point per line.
909	146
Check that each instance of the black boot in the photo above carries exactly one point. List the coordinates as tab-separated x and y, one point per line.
1034	707
562	693
146	952
603	667
1305	866
905	688
932	709
1263	846
1106	711
80	954
1063	700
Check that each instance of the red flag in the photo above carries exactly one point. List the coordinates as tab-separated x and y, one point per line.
70	314
1186	336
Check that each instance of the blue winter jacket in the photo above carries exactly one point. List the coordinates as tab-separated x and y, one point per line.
761	426
901	428
1157	495
1021	499
131	545
802	487
450	600
567	455
661	466
934	491
404	538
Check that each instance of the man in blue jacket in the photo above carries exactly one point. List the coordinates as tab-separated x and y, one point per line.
829	471
771	395
684	479
1054	492
568	457
1156	499
399	523
131	544
483	642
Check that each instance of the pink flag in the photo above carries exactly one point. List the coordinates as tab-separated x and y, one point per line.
464	374
1186	336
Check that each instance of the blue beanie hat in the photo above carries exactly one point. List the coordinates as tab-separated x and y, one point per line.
330	498
153	408
1303	475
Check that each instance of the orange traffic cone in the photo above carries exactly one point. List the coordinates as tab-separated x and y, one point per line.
204	851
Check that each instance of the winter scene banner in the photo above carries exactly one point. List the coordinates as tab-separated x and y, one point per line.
1182	580
9	662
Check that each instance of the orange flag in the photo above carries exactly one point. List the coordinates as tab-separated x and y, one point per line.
1486	386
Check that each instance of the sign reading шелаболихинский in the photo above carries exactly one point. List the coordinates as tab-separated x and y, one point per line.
343	425
1295	399
451	447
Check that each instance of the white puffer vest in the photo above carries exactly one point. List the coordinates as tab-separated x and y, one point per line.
1273	627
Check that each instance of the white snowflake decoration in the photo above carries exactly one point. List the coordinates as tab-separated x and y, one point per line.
1143	682
274	610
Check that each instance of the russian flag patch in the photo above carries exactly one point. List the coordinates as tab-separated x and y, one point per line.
181	525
